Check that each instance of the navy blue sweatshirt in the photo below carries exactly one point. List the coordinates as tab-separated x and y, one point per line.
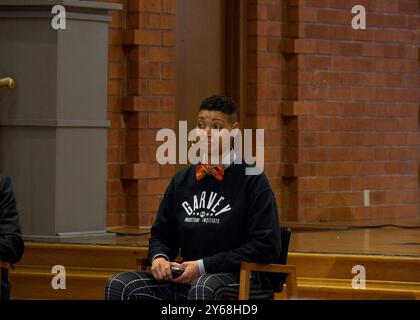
222	223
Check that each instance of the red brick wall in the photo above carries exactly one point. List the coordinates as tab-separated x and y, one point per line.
355	103
141	101
339	107
267	88
149	103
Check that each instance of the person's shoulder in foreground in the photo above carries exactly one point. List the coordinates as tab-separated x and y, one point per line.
11	242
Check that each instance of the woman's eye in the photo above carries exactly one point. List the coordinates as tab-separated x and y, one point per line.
200	125
216	126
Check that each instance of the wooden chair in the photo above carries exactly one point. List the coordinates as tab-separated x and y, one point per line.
285	273
4	269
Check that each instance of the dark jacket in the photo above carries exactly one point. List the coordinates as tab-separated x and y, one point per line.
11	242
223	223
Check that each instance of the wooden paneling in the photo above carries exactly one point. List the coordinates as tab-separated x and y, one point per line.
199	55
236	54
211	54
87	269
339	266
323	260
82	256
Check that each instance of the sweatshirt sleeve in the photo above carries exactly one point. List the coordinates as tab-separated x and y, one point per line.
264	242
164	239
11	242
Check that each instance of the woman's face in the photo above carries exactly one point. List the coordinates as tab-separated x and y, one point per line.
216	125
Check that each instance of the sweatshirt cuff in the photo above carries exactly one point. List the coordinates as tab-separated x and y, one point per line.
157	255
201	267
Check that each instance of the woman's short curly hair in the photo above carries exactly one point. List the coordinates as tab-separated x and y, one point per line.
221	103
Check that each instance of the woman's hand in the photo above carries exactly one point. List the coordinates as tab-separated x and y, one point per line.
191	272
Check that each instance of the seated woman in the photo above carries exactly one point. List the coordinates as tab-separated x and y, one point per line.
11	243
216	215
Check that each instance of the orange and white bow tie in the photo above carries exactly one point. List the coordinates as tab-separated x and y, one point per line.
204	169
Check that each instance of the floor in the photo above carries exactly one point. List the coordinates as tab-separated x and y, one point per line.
370	241
389	240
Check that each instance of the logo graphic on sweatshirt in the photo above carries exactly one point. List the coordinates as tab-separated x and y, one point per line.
205	208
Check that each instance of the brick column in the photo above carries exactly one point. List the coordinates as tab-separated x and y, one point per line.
267	88
148	104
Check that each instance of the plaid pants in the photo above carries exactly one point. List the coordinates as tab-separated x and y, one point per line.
142	286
